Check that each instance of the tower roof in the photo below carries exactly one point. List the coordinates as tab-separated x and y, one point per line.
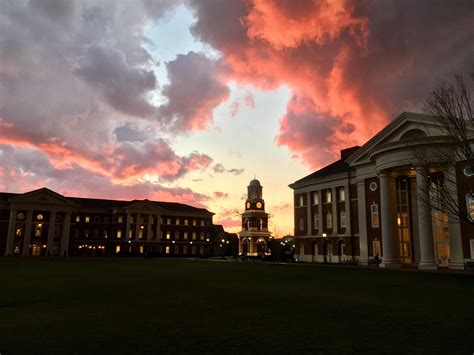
255	182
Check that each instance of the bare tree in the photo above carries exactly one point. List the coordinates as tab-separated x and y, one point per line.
451	106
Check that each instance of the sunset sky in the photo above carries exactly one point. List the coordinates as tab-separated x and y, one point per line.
188	100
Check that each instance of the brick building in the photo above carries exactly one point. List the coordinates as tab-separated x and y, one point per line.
368	202
43	222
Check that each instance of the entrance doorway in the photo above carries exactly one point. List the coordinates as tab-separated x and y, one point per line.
403	220
441	238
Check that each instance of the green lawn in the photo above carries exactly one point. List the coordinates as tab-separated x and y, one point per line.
96	306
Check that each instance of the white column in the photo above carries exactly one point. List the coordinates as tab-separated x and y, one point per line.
127	228
456	258
64	246
27	237
390	244
361	210
308	214
51	228
148	231
158	227
137	227
320	212
334	211
347	209
11	234
425	222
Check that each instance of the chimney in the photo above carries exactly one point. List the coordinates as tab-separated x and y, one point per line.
346	153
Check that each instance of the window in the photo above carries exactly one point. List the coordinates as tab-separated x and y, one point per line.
470	206
301	199
471	243
194	235
193	249
176	235
316	221
96	234
86	233
202	223
185	235
177	221
88	219
185	249
301	224
342	194
341	251
168	220
168	235
96	219
194	222
328	196
140	233
301	249
131	219
342	219
78	219
185	222
106	219
176	249
167	249
201	249
329	220
201	235
141	249
120	219
376	247
119	234
315	198
117	249
374	213
130	234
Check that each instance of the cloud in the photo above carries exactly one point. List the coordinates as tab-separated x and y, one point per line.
130	132
220	169
249	100
220	195
236	171
357	64
195	89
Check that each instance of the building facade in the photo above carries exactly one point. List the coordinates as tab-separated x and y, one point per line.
374	202
253	238
45	223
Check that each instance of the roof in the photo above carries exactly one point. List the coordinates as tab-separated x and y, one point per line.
104	203
338	167
255	182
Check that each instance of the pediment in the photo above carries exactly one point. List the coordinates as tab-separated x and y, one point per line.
42	196
407	128
143	205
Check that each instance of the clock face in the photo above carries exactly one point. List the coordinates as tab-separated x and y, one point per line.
248	204
259	205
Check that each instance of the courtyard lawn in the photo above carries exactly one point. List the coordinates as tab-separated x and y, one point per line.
134	305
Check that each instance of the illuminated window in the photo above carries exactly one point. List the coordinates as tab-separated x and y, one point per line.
88	219
19	231
374	213
185	222
194	235
342	219
315	198
301	201
168	220
301	224
168	235
38	230
117	249
201	235
329	220
167	249
120	219
141	249
316	221
342	194
20	216
140	233
470	206
185	235
194	222
201	249
119	234
104	234
130	235
39	217
176	235
328	196
376	247
177	221
78	219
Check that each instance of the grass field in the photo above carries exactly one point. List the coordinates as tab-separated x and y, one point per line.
96	306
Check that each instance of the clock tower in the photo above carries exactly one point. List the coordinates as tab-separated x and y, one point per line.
253	238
